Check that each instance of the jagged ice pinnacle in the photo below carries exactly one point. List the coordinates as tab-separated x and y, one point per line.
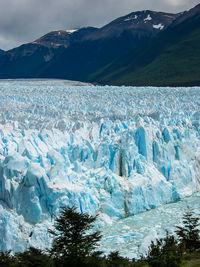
111	151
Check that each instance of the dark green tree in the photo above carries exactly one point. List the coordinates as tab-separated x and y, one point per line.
33	257
74	241
189	233
155	253
165	252
7	260
115	260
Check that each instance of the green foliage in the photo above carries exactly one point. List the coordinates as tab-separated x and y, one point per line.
171	59
7	260
189	234
165	252
33	257
191	259
73	243
114	259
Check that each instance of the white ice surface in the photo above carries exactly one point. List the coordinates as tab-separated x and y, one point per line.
133	235
111	151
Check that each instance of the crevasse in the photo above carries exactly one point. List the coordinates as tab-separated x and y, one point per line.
111	151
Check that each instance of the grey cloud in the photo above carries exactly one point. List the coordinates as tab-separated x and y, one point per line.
25	20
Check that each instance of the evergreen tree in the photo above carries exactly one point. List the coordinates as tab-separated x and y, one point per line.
115	260
33	257
188	235
74	240
165	252
7	260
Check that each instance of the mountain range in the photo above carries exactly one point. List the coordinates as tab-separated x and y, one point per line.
142	48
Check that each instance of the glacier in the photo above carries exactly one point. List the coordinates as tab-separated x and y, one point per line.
112	151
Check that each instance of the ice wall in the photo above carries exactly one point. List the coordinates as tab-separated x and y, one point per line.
112	151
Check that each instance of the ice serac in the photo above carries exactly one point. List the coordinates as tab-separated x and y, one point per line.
111	151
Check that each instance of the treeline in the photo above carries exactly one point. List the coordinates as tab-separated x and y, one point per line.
75	244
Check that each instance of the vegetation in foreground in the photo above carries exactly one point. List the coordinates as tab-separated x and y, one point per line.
75	244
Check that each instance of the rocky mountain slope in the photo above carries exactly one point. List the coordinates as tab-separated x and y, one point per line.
75	54
172	58
141	48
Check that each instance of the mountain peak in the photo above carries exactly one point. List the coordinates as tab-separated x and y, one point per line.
195	11
55	38
140	23
124	45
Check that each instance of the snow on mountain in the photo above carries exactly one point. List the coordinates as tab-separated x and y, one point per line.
158	26
71	31
131	18
137	23
111	151
148	18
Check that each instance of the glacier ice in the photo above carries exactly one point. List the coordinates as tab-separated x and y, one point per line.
111	151
133	235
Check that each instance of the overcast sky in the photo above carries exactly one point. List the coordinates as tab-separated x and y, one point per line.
23	21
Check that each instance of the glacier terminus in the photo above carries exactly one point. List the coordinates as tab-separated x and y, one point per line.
120	152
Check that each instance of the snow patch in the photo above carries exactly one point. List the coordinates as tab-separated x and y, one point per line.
148	18
131	18
159	26
71	31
